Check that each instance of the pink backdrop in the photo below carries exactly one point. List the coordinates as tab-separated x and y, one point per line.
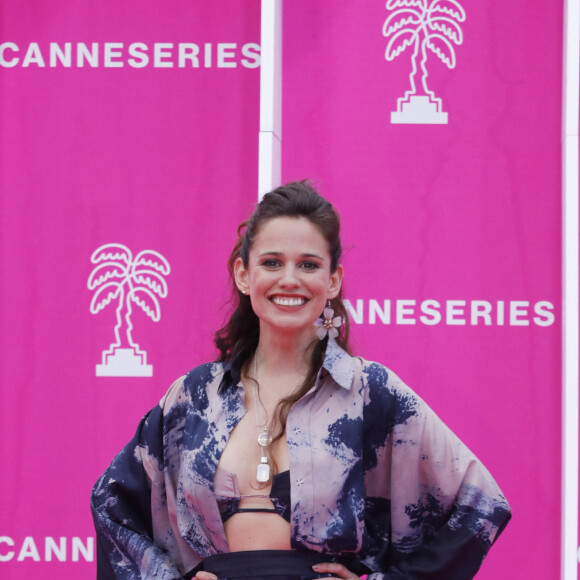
152	144
464	211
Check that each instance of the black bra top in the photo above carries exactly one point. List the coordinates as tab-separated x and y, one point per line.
229	498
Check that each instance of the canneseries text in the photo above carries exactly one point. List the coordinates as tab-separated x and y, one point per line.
452	312
221	55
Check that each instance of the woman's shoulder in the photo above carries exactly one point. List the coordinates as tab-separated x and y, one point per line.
195	385
386	389
378	375
206	373
347	369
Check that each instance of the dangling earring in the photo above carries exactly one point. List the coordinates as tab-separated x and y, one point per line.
328	323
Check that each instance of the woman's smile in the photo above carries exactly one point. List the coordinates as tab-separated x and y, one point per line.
288	301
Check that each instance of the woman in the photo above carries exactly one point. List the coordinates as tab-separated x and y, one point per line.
288	458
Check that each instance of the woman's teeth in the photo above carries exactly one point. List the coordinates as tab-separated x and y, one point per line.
283	301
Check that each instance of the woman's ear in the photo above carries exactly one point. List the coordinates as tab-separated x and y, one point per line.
335	282
241	276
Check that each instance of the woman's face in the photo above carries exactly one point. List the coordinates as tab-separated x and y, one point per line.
288	277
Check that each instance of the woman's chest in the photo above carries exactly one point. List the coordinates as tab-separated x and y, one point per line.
245	450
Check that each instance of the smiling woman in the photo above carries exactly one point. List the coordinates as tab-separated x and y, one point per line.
288	277
289	458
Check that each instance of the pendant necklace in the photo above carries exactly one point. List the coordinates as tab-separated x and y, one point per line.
264	436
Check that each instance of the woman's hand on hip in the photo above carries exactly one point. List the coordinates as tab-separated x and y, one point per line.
340	572
205	576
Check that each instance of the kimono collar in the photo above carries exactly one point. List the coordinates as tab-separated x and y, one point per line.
338	363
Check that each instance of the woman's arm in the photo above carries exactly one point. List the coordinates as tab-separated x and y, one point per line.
437	506
121	507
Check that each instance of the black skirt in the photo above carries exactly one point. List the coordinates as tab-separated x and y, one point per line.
264	565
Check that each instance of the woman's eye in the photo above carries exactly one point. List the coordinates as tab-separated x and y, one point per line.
309	265
271	263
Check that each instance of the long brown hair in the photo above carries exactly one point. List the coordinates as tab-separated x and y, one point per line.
238	339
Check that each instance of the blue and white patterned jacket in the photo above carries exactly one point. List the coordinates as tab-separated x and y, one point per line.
374	474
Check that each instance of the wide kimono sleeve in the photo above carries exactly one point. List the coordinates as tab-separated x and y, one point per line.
433	509
122	509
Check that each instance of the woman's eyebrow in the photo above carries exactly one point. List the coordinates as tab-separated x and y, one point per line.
275	253
270	253
307	255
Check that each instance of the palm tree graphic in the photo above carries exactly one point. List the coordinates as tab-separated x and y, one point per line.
426	25
125	280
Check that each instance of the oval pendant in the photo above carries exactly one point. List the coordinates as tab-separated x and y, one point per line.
263	472
264	439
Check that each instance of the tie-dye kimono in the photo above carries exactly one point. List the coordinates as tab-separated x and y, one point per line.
374	474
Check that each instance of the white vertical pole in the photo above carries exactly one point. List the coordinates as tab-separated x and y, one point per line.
270	139
570	287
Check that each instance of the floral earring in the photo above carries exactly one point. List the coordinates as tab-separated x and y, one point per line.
328	323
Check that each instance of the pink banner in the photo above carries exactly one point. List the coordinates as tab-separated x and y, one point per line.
129	153
132	124
441	147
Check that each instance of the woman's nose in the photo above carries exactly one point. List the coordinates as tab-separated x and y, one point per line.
289	277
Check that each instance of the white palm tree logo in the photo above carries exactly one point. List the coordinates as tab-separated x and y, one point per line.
126	280
426	25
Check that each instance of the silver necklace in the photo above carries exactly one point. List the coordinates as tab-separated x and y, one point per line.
264	436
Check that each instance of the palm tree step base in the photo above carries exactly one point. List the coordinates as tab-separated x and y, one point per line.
124	362
419	110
